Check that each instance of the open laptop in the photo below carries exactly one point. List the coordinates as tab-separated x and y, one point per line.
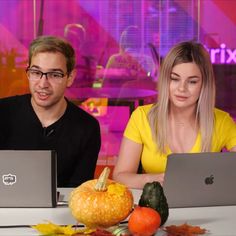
200	179
28	178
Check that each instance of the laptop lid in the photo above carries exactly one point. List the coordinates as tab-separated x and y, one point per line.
28	178
200	179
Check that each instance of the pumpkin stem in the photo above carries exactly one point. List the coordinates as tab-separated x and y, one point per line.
101	184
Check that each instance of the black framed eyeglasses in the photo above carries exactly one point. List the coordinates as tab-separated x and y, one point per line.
52	76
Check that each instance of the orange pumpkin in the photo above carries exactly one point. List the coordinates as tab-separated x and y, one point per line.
144	221
101	202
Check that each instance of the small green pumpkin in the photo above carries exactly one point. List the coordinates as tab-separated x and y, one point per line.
153	196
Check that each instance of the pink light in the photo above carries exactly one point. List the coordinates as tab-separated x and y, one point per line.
222	55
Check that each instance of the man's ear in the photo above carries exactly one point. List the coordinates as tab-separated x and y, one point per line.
71	78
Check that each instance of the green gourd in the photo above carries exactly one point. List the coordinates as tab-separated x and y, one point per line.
153	196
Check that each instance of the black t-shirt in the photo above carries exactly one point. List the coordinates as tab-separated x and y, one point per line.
75	137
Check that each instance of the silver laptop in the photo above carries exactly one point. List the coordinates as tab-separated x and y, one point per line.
200	179
28	178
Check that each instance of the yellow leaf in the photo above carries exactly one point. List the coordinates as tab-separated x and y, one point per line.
52	229
45	229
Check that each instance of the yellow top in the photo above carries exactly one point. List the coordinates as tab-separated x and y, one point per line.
139	131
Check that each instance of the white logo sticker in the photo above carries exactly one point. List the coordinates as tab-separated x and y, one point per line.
9	179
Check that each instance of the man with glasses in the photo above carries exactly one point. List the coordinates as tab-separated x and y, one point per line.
45	119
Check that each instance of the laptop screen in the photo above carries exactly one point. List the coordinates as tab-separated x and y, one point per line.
200	179
28	178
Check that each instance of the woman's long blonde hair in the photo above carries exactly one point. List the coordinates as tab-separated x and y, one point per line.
158	116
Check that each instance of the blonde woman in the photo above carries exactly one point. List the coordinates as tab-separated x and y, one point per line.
184	119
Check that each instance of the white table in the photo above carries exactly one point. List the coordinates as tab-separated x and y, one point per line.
220	221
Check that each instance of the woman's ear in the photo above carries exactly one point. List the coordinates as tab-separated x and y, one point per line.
71	78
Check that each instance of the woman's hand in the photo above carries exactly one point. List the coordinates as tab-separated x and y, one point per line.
154	177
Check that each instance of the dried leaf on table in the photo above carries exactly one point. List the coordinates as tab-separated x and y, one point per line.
50	229
184	230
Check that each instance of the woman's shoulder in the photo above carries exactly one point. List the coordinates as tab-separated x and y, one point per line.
220	114
144	109
140	114
224	119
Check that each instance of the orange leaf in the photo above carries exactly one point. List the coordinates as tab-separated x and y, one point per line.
184	230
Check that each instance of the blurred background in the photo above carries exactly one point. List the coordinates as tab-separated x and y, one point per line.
119	47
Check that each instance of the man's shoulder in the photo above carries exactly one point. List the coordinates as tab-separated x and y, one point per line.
79	115
14	100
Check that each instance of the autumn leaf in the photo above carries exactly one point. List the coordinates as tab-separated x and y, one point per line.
52	229
184	230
